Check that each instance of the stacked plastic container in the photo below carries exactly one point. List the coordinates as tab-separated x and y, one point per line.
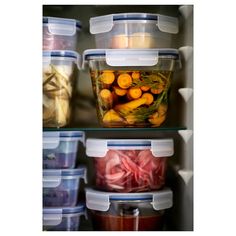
61	176
131	72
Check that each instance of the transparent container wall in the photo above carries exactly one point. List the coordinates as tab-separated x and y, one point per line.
128	216
129	171
128	34
59	42
59	77
69	222
131	96
64	195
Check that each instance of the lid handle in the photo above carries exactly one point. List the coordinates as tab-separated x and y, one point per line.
134	57
99	202
51	140
162	148
168	24
162	200
96	150
65	27
52	219
52	181
101	24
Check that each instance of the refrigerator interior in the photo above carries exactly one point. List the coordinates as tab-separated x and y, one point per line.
179	125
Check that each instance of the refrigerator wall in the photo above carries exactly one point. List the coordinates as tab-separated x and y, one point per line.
180	172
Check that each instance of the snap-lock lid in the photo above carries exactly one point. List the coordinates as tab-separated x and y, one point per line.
100	201
52	177
52	139
158	147
131	57
103	24
61	26
62	55
53	216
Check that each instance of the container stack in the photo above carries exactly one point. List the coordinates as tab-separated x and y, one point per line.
61	176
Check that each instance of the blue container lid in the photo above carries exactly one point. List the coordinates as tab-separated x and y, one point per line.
62	21
65	172
61	53
80	208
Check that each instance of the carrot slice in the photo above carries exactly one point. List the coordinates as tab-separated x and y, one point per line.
124	81
119	91
145	88
149	98
107	77
135	75
135	93
106	97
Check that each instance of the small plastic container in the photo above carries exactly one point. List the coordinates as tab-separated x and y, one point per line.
60	72
129	165
128	212
60	33
60	148
60	187
133	30
63	219
131	86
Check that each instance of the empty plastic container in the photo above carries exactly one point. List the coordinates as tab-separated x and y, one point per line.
129	165
60	148
128	212
131	86
63	219
60	33
133	30
60	187
60	72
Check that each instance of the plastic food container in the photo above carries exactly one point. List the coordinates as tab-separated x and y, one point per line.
60	187
128	212
131	85
60	33
129	165
60	148
133	30
60	71
63	219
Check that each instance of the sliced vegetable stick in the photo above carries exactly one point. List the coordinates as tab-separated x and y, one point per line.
106	97
112	116
124	81
135	93
149	98
107	77
119	91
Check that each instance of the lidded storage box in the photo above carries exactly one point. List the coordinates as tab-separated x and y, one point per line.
60	72
131	86
60	33
128	211
60	187
60	148
129	165
133	30
63	218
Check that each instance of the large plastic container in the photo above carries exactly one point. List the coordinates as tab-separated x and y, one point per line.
60	187
60	148
60	33
129	165
133	30
131	86
128	212
63	218
60	72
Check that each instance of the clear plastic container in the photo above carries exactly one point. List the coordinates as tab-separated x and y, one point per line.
128	212
63	219
129	165
60	72
60	148
60	33
60	187
131	86
133	30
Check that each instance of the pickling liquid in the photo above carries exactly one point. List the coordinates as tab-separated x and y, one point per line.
127	223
